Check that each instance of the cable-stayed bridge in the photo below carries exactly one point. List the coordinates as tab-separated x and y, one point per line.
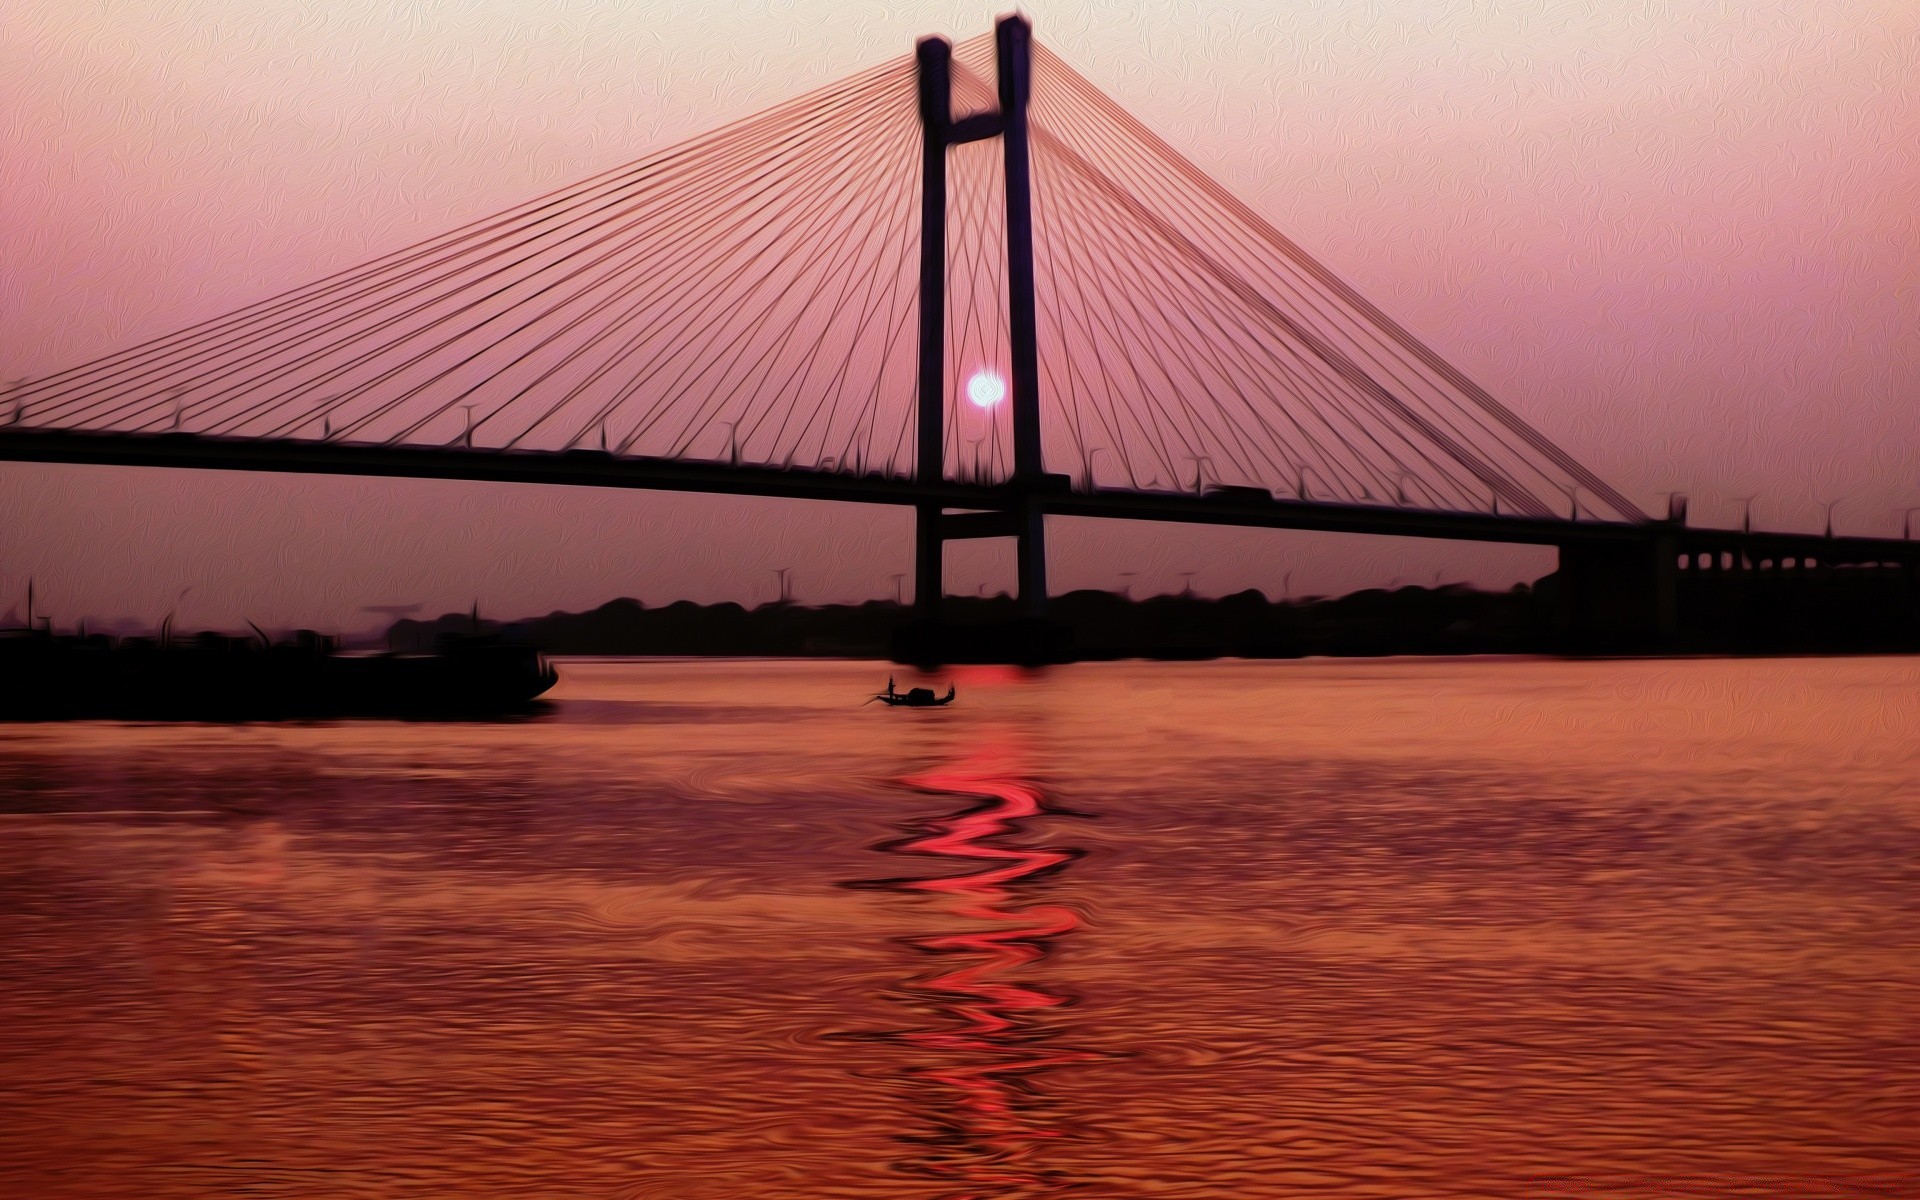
965	281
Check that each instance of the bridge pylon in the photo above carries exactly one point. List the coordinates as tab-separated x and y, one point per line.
1618	596
1021	518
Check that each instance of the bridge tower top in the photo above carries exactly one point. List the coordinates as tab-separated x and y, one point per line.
1013	44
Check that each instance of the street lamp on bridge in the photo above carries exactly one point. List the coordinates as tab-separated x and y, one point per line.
1087	462
326	415
1746	512
1303	470
1199	480
1906	523
1573	499
1828	505
979	474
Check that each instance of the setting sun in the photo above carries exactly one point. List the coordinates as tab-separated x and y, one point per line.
986	389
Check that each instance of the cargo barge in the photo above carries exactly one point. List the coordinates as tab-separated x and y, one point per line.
214	677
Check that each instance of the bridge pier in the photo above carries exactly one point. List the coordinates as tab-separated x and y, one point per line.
1031	550
1619	596
931	639
929	551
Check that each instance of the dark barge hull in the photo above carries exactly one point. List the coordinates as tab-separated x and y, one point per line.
51	681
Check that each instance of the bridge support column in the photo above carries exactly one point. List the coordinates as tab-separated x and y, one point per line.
1033	561
1619	596
929	553
934	59
1013	59
1013	43
929	638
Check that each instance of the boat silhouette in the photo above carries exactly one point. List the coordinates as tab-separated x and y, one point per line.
913	698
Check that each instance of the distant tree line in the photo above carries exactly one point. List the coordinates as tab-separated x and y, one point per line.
1410	620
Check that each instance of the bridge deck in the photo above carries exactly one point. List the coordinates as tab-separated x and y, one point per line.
586	468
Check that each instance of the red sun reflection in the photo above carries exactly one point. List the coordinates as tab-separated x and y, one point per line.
992	1041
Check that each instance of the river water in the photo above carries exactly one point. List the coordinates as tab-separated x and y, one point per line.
1393	928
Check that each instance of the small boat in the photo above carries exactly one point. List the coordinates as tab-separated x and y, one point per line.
913	698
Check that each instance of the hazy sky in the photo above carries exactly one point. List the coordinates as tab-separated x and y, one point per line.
1680	237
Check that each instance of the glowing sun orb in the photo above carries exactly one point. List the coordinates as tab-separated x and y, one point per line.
986	389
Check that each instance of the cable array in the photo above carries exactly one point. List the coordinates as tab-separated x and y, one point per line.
1185	342
743	296
748	296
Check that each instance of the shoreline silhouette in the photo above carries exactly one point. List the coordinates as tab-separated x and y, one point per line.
1769	617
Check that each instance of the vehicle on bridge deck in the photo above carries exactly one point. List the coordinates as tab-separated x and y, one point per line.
913	698
1235	494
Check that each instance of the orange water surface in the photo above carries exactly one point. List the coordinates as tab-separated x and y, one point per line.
1397	928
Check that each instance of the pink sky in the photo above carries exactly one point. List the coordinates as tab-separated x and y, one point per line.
1680	238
